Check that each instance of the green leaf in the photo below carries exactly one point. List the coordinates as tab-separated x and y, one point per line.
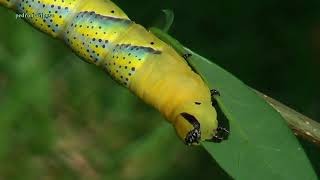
260	145
164	23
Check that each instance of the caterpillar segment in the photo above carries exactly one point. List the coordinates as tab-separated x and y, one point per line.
101	33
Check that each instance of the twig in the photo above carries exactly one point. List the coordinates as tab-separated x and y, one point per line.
300	124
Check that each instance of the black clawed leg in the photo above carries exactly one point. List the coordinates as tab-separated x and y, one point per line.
215	139
223	130
186	56
214	92
221	134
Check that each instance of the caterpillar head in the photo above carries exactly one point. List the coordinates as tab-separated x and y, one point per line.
196	122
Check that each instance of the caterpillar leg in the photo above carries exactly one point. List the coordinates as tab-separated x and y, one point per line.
224	131
194	135
186	56
221	134
214	93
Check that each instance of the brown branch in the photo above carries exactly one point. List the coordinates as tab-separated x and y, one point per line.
300	124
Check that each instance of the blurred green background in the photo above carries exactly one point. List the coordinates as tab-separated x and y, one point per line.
61	118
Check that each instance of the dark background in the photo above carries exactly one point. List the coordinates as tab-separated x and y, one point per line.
61	118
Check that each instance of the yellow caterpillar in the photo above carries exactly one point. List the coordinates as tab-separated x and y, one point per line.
101	33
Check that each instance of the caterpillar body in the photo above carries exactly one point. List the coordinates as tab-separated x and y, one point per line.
101	33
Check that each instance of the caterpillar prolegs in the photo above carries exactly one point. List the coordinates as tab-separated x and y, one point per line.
101	33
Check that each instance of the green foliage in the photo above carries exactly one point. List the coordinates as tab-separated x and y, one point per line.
166	22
